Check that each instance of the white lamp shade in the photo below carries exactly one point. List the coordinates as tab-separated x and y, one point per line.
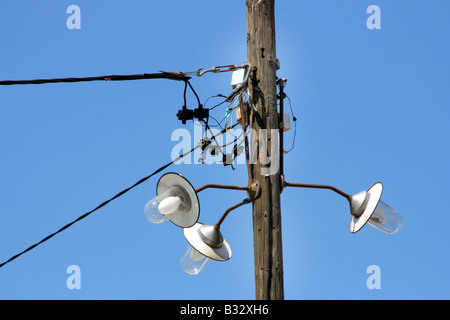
371	202
208	241
176	201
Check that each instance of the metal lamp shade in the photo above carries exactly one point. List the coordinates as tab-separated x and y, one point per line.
187	218
370	203
208	240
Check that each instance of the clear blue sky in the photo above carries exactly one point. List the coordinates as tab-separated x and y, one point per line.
372	105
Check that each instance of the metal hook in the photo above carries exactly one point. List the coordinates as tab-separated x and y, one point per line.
199	74
230	67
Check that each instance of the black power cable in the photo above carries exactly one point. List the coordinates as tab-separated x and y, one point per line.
104	203
97	208
161	75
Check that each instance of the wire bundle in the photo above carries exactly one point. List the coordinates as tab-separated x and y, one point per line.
231	100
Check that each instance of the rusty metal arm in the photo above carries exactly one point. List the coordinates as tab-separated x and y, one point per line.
221	186
317	186
246	201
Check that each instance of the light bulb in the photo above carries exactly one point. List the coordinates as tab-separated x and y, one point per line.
167	205
386	219
192	261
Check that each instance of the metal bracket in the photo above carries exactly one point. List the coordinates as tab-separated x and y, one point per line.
254	189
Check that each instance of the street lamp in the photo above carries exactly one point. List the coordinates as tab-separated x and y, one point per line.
205	243
365	207
176	201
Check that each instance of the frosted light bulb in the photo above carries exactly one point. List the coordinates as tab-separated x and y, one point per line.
169	205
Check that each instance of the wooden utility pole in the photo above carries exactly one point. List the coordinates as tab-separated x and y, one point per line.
261	53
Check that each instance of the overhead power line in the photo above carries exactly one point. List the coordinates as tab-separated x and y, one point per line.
93	210
121	193
179	76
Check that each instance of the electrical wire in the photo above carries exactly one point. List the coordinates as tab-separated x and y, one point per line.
161	75
195	93
295	126
233	108
215	106
95	209
184	93
217	121
121	193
